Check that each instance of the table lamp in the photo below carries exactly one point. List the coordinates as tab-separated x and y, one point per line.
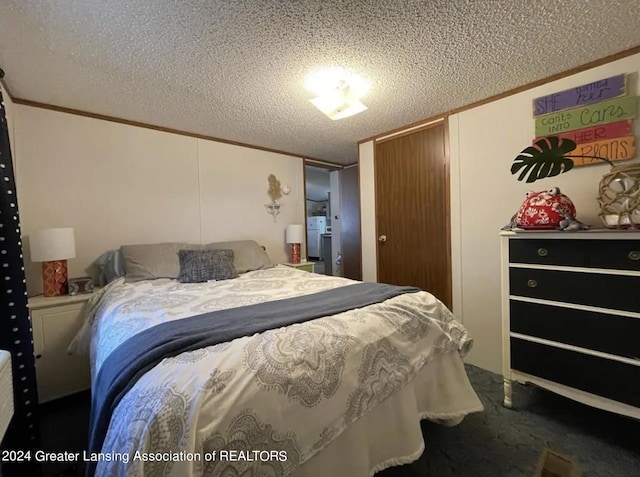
293	236
53	247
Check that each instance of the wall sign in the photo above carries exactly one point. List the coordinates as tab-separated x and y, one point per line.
582	95
618	149
596	116
586	116
596	133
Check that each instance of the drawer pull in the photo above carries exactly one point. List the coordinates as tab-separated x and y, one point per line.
634	255
38	356
532	283
543	252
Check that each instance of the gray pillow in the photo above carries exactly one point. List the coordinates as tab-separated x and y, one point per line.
198	266
247	254
152	261
111	266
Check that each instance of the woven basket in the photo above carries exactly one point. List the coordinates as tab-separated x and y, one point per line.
619	197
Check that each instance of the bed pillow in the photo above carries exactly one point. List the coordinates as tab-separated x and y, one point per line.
247	254
152	261
198	266
110	266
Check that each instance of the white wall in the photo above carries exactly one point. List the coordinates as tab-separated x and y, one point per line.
368	213
484	195
455	213
487	139
118	184
233	192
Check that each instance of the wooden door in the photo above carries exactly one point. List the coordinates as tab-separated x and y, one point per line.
350	224
412	212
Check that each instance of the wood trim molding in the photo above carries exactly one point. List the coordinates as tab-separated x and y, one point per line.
304	195
447	188
409	128
405	132
113	119
324	164
511	92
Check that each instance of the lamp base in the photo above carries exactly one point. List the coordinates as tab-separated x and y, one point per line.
54	278
294	253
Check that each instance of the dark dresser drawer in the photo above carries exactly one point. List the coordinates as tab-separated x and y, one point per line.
615	254
617	292
548	252
617	335
618	254
603	377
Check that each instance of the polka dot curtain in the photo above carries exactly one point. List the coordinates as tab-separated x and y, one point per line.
15	323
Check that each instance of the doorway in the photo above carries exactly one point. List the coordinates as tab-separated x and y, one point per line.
321	199
412	211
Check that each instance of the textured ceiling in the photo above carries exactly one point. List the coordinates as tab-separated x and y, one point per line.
236	69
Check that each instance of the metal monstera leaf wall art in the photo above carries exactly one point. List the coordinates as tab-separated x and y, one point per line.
548	157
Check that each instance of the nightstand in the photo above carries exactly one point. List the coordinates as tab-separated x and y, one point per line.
306	266
55	322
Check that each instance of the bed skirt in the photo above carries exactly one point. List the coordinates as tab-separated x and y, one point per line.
390	434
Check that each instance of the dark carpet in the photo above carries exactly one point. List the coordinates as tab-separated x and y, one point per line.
499	442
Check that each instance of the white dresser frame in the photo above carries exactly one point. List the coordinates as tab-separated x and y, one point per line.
511	375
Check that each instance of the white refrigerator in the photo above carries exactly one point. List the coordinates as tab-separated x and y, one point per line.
316	226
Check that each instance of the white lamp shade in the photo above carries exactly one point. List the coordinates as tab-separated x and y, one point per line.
52	244
294	234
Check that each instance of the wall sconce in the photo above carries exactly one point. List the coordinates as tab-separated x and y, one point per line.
273	209
275	192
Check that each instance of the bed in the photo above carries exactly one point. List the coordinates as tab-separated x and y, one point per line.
341	394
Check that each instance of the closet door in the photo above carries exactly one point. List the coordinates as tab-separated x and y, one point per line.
412	211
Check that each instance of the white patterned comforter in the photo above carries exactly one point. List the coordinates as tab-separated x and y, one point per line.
289	391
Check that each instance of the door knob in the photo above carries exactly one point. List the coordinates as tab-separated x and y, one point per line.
382	238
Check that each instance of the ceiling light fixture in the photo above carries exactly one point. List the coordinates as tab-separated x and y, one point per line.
339	92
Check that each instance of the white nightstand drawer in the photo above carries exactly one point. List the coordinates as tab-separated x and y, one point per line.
306	266
54	327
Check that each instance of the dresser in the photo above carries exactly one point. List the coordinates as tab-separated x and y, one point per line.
571	315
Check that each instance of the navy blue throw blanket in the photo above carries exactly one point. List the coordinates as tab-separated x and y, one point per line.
129	361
